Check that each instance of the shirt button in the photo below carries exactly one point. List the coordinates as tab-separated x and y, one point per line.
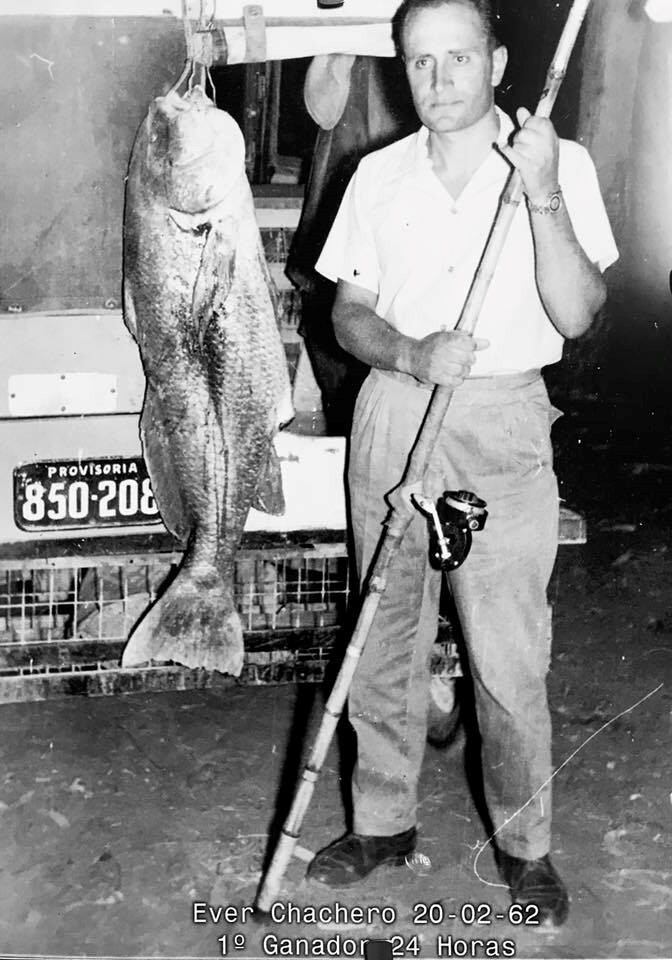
451	269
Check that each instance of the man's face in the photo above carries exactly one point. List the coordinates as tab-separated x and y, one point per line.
450	68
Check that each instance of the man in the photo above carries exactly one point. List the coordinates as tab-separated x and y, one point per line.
404	249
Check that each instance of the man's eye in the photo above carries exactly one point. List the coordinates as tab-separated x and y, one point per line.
422	63
461	58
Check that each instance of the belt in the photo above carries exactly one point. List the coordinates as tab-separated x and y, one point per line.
503	381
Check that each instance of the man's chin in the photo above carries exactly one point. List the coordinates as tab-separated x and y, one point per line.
445	124
449	121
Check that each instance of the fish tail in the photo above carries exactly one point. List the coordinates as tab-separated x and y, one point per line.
192	623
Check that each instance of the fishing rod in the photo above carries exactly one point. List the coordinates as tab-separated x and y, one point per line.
402	497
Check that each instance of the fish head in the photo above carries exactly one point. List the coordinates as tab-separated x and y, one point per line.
195	151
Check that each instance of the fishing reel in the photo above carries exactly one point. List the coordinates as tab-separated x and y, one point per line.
451	521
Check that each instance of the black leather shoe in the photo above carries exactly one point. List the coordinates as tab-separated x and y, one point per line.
354	856
535	882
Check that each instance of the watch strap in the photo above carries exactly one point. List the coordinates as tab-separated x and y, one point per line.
553	203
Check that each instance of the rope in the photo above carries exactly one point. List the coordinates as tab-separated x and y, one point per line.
199	45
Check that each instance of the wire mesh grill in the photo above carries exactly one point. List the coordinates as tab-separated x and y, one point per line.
69	618
103	600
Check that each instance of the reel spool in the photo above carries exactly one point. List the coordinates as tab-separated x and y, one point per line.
453	518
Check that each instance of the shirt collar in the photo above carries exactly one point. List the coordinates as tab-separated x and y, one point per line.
421	154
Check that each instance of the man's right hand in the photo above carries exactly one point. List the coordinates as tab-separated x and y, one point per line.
445	358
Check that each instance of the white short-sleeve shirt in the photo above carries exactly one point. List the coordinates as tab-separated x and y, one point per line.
400	234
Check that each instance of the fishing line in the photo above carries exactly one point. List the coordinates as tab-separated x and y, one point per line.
199	51
182	77
212	83
564	763
188	66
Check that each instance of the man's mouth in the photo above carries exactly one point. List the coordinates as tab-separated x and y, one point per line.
445	105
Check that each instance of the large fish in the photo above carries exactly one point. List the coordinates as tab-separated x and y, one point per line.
197	299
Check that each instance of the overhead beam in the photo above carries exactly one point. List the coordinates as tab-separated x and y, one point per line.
288	11
291	28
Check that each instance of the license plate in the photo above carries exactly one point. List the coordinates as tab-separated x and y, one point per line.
70	494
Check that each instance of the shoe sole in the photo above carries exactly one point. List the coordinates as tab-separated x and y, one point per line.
398	860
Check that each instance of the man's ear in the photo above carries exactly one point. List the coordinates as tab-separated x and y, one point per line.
500	56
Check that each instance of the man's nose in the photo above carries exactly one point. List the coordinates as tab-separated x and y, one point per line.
443	75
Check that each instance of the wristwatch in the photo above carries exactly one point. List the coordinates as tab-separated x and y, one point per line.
552	204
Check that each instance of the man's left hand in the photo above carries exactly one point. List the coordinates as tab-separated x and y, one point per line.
534	154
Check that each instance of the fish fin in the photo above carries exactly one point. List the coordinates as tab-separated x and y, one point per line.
157	451
269	281
285	410
269	497
130	316
214	278
190	624
217	266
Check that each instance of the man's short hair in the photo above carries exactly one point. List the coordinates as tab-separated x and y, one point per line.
484	8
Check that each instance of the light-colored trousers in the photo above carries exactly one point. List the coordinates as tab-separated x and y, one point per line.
495	443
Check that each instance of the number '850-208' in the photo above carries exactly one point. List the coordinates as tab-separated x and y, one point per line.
74	501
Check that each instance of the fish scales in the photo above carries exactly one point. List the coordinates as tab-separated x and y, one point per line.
198	300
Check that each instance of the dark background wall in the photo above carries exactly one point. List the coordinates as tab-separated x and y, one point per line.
73	91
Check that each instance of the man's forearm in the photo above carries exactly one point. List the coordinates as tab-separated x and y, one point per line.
369	338
571	287
443	357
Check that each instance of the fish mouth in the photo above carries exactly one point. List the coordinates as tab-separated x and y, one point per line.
184	121
191	132
208	211
196	159
192	221
172	102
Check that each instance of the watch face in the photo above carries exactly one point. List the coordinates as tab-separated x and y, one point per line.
555	202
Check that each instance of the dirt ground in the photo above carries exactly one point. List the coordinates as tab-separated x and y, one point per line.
123	821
